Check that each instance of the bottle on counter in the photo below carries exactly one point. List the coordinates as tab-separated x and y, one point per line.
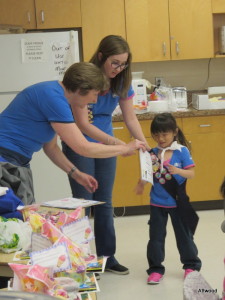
172	103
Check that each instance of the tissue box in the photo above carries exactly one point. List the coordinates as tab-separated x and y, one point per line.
158	106
200	102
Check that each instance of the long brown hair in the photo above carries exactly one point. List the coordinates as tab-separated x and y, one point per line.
113	45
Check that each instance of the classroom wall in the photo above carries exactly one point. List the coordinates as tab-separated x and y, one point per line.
194	74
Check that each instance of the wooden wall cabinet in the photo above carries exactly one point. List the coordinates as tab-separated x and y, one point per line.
99	19
41	14
58	13
147	29
169	29
218	6
18	13
218	9
191	29
156	30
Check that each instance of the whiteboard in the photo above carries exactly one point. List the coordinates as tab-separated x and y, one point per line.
29	58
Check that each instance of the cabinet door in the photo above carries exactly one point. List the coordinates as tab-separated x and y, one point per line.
58	13
99	19
207	138
147	27
218	6
127	173
191	29
18	13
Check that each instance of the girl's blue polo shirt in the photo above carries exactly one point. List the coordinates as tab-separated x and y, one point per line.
180	159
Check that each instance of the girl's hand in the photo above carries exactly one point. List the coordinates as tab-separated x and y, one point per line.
133	146
186	173
139	189
173	170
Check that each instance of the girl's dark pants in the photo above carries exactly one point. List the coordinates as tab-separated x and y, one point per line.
156	245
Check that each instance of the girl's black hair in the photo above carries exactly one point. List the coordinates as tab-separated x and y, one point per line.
165	122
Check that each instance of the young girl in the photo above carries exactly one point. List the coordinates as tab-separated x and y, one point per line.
172	165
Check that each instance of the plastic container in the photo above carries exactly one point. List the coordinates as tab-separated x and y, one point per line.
158	106
137	75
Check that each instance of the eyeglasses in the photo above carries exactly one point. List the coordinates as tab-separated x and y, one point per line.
115	65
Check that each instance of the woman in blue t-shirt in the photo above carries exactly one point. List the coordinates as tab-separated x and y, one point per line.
41	112
113	57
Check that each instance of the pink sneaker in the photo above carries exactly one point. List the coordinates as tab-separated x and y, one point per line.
187	271
154	278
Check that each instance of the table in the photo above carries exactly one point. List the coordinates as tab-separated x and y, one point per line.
5	270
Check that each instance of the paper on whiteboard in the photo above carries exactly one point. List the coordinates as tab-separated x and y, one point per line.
146	166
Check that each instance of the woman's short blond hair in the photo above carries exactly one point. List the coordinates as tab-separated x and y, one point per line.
84	77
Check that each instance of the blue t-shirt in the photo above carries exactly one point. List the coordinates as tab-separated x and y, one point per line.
25	123
100	113
180	159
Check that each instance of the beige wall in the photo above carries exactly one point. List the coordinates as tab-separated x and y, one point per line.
196	74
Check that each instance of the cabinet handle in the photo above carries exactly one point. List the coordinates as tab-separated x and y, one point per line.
177	48
205	125
28	17
118	128
42	16
164	48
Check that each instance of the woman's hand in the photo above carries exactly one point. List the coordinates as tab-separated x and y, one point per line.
133	146
172	169
86	180
148	148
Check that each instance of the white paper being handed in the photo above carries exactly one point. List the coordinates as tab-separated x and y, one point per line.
146	166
